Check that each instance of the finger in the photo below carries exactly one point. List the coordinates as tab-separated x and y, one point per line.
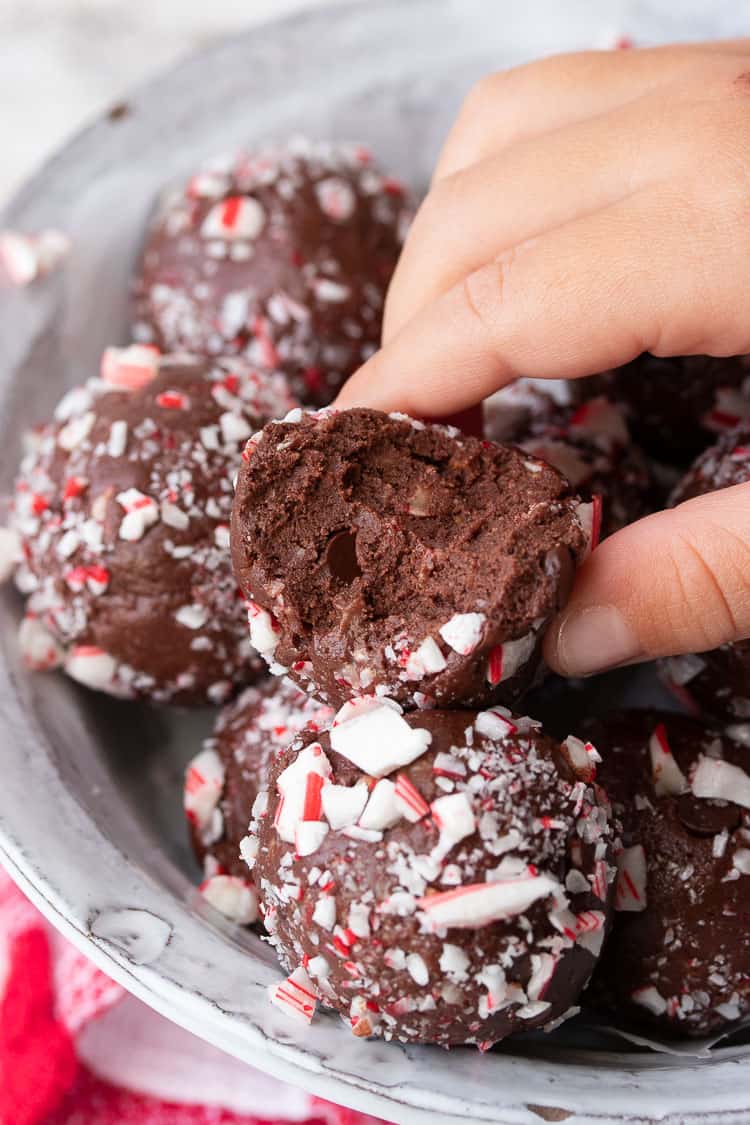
550	93
677	582
585	297
471	217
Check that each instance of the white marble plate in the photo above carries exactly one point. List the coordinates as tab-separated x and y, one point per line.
90	819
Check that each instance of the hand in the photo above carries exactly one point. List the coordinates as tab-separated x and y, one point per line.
587	208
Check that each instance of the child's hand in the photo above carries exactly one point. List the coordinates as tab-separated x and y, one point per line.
585	209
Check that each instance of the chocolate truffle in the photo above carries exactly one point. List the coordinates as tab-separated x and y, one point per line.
437	877
590	445
679	953
384	555
123	505
282	255
717	682
677	406
223	780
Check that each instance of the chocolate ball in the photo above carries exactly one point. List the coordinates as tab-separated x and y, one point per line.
677	406
436	877
123	505
282	255
381	554
717	682
679	953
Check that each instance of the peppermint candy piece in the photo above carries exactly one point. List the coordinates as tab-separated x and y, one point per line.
373	735
295	996
130	368
506	659
204	781
300	786
308	836
495	723
233	897
590	518
543	967
667	776
463	632
264	630
91	666
600	418
630	893
582	757
343	805
455	818
479	904
718	780
336	198
40	650
408	800
141	513
382	809
427	660
236	217
650	999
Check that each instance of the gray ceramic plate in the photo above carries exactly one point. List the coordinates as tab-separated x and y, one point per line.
90	819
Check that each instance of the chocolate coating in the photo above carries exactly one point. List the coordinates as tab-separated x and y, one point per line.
676	406
383	554
717	682
282	255
234	762
683	962
362	911
589	444
123	505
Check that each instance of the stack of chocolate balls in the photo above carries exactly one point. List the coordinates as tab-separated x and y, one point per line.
366	595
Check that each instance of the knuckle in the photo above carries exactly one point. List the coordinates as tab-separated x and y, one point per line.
484	294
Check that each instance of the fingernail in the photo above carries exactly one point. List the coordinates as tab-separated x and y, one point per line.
594	639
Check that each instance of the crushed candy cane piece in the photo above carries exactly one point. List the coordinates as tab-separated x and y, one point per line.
235	898
91	666
40	650
295	996
667	776
582	756
408	800
375	737
130	368
236	217
264	630
27	257
204	781
427	660
630	894
506	659
479	904
718	780
463	632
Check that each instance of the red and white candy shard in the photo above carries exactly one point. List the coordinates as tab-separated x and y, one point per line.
409	800
343	805
40	650
650	999
264	631
295	996
237	217
463	632
479	904
717	780
667	776
590	518
506	659
543	967
141	513
582	756
427	660
455	818
26	257
374	736
382	809
731	406
496	723
632	878
336	198
91	666
130	368
682	669
233	897
300	786
204	781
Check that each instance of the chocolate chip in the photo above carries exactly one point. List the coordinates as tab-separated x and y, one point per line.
341	556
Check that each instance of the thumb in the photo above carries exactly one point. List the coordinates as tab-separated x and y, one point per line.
676	582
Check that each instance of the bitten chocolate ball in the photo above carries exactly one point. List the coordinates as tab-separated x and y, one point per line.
123	506
437	877
282	255
676	407
717	682
381	554
679	952
590	445
223	780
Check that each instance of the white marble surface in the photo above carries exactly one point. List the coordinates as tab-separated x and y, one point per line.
63	61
